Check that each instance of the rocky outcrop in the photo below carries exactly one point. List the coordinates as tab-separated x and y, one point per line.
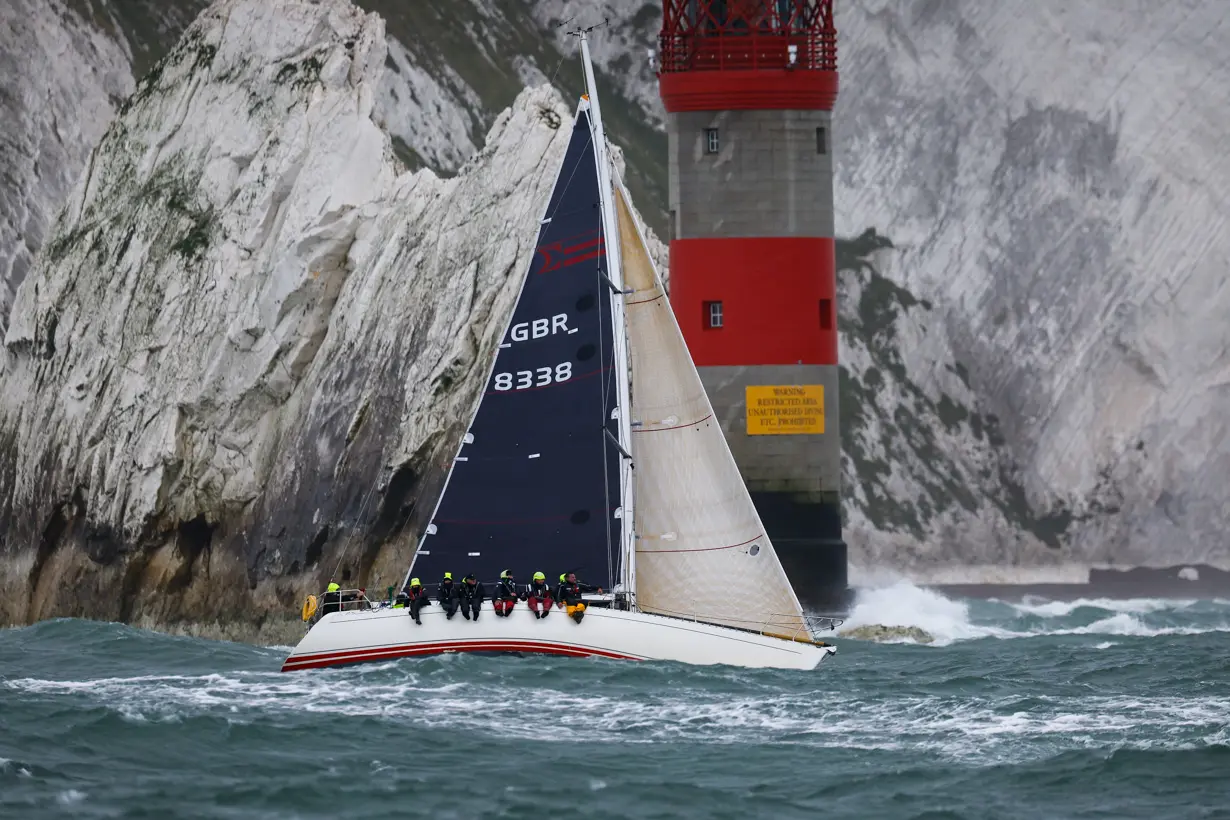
430	115
1053	246
241	360
888	634
62	78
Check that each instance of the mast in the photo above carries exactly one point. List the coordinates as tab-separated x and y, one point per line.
610	232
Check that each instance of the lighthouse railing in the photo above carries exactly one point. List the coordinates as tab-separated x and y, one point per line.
728	35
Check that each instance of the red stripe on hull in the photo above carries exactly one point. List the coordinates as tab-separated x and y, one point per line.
773	291
345	657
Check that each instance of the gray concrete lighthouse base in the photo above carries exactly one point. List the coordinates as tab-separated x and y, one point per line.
808	541
793	479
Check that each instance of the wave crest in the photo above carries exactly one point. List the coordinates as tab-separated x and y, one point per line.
947	621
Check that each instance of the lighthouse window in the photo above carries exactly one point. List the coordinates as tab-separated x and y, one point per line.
822	141
713	314
711	141
826	314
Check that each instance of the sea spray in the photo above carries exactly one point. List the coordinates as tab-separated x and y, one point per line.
907	607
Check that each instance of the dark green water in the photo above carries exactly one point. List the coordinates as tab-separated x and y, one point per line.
1043	711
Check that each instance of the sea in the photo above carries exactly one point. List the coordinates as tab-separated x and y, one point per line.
1035	709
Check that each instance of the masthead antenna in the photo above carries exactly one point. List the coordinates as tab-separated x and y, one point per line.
582	31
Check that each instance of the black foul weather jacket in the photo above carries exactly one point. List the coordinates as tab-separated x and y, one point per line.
570	593
506	590
471	593
447	592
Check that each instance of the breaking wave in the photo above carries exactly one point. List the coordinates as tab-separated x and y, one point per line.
948	621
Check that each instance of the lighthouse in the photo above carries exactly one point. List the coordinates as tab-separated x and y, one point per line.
749	88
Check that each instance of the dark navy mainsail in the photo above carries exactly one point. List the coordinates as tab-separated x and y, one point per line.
535	486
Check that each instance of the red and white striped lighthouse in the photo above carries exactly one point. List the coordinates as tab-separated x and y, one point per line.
749	88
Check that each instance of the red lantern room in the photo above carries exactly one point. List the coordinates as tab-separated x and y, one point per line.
749	88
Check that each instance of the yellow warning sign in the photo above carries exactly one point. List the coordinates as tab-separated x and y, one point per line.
785	410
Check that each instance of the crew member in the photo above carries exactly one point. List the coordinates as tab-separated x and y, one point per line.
472	596
447	595
416	598
356	600
331	601
539	594
569	594
506	595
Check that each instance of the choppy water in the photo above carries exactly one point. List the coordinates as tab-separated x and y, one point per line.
1086	709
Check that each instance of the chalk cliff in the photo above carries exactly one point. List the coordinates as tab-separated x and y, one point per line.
1052	188
62	78
1035	367
242	356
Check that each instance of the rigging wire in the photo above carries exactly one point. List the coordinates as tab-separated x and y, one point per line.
625	472
608	383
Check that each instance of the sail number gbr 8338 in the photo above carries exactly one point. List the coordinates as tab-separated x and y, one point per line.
539	376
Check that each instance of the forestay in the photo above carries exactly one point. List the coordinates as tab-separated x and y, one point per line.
702	552
535	483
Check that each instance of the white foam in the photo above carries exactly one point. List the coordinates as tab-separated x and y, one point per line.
738	712
949	621
70	796
903	604
1060	609
1125	624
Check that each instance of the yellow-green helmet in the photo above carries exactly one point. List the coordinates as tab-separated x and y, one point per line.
506	573
563	576
414	582
538	576
448	575
333	587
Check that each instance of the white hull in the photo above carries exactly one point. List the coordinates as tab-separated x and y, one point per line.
342	638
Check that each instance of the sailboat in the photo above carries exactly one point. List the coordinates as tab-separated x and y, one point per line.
594	449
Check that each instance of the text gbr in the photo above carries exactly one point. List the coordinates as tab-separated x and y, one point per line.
540	327
542	376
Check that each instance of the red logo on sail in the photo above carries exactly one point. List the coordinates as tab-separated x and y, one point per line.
568	252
